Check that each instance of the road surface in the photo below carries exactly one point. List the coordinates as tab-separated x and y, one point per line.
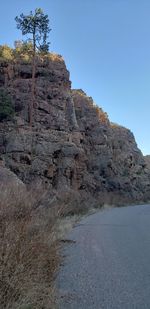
107	261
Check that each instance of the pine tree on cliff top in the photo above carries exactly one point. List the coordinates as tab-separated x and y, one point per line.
37	26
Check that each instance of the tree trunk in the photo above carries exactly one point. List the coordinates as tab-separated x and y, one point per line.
32	102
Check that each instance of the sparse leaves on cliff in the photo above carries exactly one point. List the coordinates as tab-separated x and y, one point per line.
6	107
23	50
6	52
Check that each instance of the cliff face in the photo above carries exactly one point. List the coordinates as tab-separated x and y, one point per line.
72	144
147	160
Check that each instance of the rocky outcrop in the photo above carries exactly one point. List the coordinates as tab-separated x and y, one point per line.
72	144
147	160
10	180
114	161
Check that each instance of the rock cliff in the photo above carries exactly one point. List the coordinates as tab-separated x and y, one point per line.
147	160
72	144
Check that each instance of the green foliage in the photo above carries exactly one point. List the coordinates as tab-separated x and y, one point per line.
23	50
6	107
6	52
24	47
37	25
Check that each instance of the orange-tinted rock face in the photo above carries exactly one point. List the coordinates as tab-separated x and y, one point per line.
72	143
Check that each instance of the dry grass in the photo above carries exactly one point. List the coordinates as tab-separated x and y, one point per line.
28	253
112	199
52	57
74	203
30	225
55	57
103	117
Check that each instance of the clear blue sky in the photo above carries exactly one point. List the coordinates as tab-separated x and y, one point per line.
106	46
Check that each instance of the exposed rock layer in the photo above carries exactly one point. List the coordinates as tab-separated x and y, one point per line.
72	144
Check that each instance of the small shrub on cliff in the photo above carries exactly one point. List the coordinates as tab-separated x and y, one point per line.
103	117
6	107
6	53
54	57
23	51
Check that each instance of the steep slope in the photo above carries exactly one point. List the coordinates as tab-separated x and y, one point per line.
147	160
72	144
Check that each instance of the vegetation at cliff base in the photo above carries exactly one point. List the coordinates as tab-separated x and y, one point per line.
28	255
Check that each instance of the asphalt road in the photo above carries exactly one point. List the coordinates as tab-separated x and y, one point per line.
107	266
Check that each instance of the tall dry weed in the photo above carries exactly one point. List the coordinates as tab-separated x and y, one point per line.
28	253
